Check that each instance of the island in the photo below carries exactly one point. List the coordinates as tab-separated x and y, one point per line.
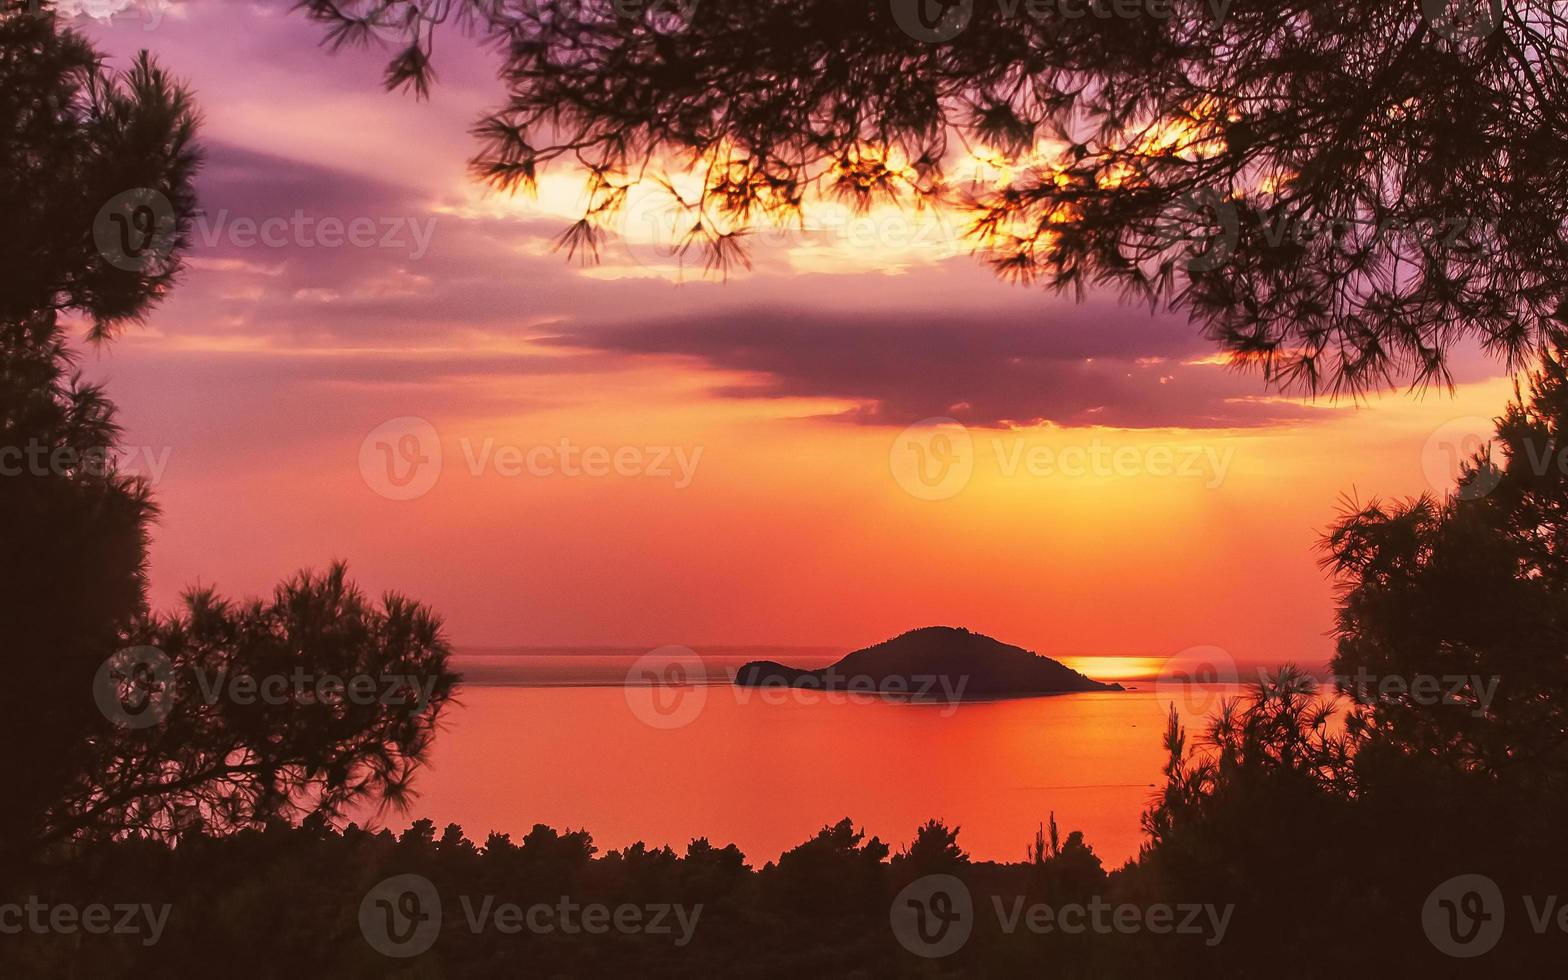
934	660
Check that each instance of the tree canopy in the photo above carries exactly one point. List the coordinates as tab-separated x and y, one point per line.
1339	193
1476	586
97	184
89	153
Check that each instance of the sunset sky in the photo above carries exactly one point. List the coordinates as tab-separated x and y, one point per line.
786	390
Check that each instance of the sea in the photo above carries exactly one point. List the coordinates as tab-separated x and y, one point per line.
659	747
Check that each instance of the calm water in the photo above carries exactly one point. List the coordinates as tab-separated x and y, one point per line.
562	740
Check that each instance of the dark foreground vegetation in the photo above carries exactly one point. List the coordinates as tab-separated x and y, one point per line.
1331	838
1320	887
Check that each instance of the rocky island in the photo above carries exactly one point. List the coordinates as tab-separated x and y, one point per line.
931	660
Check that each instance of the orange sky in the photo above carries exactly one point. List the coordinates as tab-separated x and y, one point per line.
1124	493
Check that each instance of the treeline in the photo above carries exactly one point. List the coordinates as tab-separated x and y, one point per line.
1317	891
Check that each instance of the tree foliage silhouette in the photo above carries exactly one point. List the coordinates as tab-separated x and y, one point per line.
78	135
1474	585
348	714
1339	193
934	850
75	527
73	585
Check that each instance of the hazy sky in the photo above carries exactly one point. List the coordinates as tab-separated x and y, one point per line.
1113	488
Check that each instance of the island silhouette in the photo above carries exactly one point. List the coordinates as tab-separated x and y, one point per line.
932	659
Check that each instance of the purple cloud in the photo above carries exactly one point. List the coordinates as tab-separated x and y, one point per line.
1091	364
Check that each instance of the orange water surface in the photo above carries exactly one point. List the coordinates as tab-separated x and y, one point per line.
766	772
